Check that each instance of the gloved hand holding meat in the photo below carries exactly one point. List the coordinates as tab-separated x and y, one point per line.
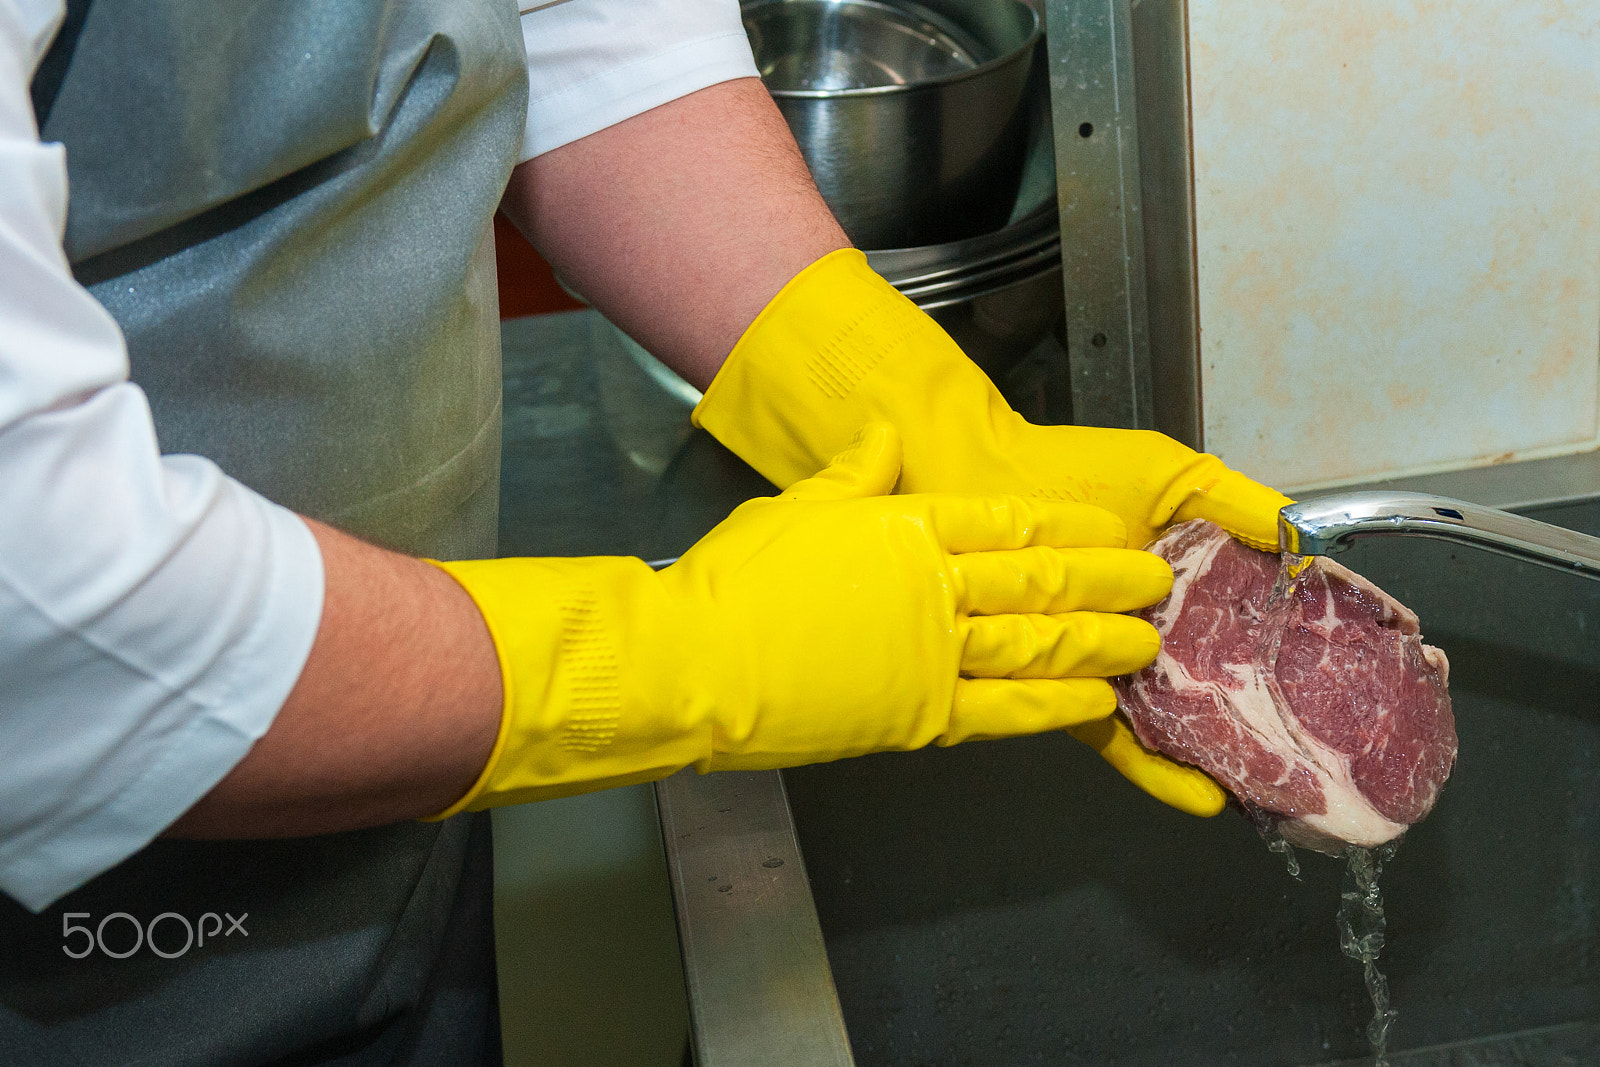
1312	699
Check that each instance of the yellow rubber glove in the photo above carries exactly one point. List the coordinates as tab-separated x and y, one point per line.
829	621
839	347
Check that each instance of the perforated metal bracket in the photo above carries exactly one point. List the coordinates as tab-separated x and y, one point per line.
1093	106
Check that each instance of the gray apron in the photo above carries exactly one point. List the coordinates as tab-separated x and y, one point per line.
287	207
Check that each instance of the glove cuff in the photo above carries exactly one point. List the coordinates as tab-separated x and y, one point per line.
561	629
467	575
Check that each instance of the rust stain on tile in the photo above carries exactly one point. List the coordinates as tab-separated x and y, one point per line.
1403	396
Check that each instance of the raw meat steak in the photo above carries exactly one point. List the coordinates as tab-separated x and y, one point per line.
1319	705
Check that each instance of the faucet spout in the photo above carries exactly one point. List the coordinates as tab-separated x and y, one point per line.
1327	525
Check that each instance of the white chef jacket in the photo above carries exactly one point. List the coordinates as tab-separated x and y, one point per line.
155	613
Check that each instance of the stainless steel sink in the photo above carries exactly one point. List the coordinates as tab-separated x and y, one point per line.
1016	902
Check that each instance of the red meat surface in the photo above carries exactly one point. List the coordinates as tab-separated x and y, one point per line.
1311	699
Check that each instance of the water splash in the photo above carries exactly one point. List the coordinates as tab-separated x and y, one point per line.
1290	861
1267	826
1295	565
1361	925
1291	568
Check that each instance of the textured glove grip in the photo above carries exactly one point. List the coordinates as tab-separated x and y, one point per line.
565	728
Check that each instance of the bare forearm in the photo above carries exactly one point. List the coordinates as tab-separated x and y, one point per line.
393	717
679	224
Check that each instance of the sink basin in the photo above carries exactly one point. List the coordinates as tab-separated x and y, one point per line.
1017	902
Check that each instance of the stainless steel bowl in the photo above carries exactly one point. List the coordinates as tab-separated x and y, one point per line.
855	44
913	118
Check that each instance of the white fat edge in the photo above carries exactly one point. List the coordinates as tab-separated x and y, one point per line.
1440	662
1197	560
1357	821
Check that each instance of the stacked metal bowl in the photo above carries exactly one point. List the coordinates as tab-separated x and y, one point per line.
926	127
913	116
998	294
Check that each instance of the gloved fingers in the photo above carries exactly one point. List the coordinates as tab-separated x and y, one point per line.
868	466
1245	508
1079	644
1186	788
995	523
987	708
1043	580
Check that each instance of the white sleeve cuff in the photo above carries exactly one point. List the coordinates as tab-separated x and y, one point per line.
594	63
189	744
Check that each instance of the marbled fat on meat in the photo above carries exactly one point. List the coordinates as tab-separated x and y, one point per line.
1320	705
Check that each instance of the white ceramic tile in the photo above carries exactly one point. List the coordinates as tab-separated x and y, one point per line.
1398	219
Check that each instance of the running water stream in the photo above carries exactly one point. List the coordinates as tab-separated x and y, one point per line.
1360	920
1360	917
1361	935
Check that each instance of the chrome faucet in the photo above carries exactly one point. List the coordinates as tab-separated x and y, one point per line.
1327	525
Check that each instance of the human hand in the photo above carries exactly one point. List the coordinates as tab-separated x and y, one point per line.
839	347
829	621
